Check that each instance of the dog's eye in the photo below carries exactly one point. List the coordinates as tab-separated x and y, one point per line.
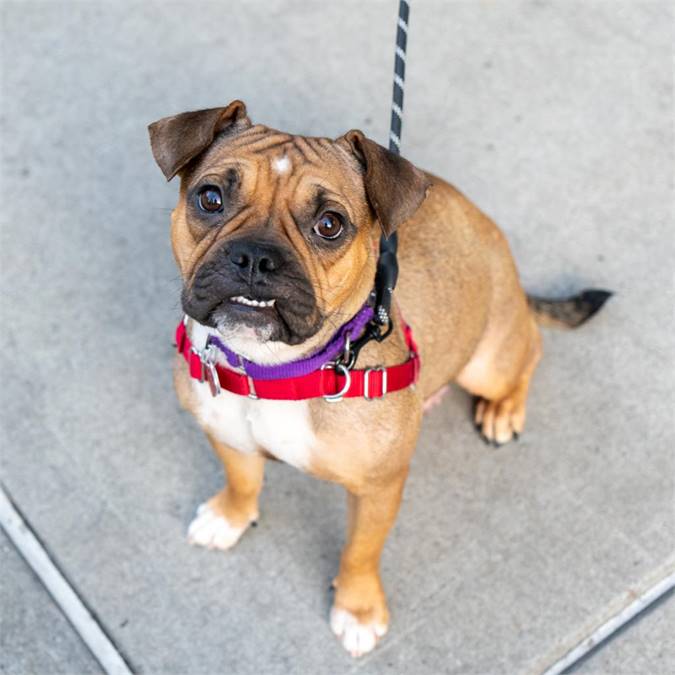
210	199
329	226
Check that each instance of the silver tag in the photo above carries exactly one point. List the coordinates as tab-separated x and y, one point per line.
212	378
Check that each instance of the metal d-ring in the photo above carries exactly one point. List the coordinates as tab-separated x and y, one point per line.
334	398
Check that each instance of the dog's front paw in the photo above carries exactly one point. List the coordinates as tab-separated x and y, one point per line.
359	616
499	422
357	637
212	529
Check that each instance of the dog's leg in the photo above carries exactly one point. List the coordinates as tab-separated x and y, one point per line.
222	520
499	374
359	615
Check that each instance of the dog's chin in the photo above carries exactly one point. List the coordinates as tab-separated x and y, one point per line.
243	327
249	323
257	339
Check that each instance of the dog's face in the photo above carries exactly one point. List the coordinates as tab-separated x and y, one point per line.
276	235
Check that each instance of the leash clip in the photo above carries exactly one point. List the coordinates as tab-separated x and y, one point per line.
348	356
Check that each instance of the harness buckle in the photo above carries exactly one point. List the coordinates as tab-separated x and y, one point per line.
344	370
367	382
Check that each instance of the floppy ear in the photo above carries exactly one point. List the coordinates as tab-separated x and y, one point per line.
395	188
178	139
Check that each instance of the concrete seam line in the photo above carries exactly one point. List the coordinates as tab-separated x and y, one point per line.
86	626
611	625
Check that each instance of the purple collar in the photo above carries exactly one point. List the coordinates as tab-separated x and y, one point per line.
352	330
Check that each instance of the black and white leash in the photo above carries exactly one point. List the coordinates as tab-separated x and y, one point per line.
387	265
399	78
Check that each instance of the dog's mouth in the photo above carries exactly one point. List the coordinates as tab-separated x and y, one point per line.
266	317
252	303
253	311
248	309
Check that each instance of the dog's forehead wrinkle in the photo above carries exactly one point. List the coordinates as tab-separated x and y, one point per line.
228	171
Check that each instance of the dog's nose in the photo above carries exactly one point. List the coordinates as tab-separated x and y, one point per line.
254	261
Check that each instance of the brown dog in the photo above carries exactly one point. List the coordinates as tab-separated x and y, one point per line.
276	237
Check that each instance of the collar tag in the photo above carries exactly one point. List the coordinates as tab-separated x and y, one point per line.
209	369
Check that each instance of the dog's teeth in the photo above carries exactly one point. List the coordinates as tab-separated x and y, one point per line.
250	302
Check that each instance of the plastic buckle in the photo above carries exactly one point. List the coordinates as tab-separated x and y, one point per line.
366	383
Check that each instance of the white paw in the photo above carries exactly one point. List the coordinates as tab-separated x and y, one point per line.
213	531
357	638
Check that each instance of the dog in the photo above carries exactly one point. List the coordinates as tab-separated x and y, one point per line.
276	237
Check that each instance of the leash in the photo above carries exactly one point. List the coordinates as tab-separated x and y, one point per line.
386	273
387	264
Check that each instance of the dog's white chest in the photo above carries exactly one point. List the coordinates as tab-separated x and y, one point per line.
282	428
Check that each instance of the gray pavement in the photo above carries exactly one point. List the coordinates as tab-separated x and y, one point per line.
555	117
34	636
648	646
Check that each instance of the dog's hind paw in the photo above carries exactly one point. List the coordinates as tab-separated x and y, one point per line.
211	530
356	637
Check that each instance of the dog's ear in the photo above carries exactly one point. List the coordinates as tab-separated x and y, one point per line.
178	139
395	188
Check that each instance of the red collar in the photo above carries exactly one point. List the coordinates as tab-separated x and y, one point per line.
332	382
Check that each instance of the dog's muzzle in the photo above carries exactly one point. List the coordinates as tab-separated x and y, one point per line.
255	283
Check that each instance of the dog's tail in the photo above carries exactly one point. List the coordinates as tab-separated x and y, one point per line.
568	312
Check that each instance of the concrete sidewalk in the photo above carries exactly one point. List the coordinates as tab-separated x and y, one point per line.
556	118
34	636
644	647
